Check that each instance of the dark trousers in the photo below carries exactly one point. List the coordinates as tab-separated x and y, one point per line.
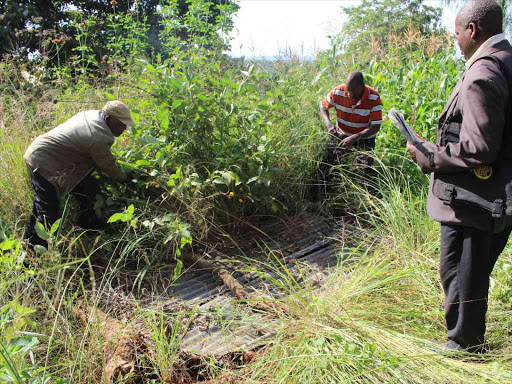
336	155
46	205
468	256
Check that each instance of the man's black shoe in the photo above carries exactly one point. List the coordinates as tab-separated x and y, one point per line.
446	347
452	349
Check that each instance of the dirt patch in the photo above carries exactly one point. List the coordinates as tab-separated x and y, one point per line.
124	345
128	351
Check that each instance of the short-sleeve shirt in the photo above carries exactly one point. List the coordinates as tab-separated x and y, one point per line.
353	117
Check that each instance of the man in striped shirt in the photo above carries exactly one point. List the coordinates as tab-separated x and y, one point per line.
359	116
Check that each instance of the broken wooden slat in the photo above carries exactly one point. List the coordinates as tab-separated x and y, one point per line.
238	290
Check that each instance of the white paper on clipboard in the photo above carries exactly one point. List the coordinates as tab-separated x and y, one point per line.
399	121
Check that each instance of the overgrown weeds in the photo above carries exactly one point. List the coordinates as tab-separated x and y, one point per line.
220	141
374	319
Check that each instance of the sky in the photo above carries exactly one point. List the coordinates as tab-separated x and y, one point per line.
276	27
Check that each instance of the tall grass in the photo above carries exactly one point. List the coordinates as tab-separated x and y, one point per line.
376	317
15	193
371	320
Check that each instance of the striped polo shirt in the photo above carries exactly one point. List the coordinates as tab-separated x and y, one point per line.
354	117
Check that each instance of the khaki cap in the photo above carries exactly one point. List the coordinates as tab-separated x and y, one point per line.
119	110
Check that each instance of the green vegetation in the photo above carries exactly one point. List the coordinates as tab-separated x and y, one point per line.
375	21
219	142
29	25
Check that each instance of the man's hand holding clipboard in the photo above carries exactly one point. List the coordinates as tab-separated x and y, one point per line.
399	121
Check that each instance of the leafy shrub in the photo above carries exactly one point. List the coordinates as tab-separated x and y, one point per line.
16	348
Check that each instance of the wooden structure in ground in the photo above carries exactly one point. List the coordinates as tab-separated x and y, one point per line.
268	263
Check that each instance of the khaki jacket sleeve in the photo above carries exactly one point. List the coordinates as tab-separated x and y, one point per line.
102	156
482	103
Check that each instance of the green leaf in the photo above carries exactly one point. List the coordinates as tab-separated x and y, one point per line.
7	244
20	309
129	212
177	103
185	240
55	227
337	338
162	115
40	250
117	217
109	96
227	176
202	97
176	83
170	237
22	344
160	159
164	123
41	231
142	163
178	269
162	112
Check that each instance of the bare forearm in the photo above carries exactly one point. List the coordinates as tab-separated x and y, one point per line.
368	132
325	117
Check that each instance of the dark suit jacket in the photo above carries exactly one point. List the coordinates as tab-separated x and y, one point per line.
482	98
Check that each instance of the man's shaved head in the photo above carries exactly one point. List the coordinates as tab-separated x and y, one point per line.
486	14
354	85
355	79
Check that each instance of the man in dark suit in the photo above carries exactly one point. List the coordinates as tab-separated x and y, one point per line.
467	163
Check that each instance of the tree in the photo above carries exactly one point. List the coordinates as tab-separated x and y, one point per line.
196	22
28	26
376	19
22	24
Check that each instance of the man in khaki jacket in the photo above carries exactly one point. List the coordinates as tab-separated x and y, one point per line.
61	161
468	163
